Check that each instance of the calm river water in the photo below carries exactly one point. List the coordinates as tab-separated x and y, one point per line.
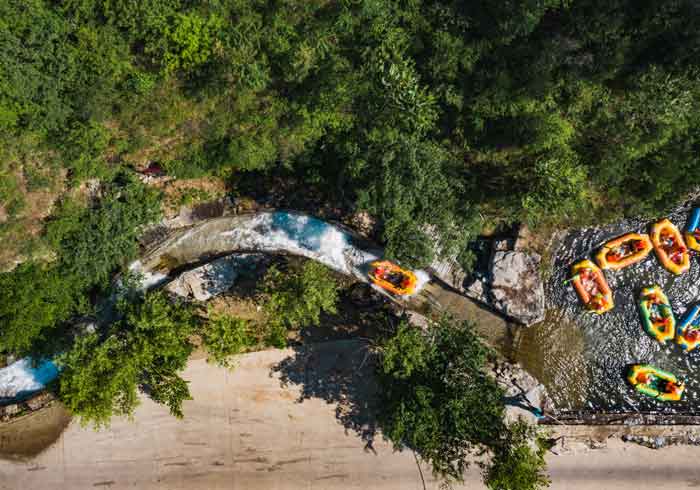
582	357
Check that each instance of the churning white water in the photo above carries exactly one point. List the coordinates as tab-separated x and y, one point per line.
271	232
21	378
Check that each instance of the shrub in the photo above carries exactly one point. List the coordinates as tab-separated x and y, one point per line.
102	373
297	297
436	398
224	336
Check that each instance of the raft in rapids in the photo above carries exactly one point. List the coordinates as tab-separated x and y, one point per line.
655	382
393	278
623	251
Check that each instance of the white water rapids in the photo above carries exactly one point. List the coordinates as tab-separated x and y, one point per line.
267	232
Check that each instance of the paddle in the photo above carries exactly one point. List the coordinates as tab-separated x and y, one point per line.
573	278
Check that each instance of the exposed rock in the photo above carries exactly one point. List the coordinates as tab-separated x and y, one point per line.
524	395
417	319
39	401
516	287
506	278
503	245
363	223
478	290
9	411
214	278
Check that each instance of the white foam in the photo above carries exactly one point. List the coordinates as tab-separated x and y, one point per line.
267	232
311	238
147	279
21	379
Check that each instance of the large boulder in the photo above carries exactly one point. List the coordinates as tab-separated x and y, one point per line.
506	279
523	394
515	285
214	278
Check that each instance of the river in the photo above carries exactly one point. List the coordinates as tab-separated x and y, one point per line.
581	357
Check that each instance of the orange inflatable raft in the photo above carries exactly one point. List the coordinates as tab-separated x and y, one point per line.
624	251
670	247
393	278
591	287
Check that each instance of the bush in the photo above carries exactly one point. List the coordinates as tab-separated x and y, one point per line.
102	373
224	336
436	398
34	300
515	465
90	245
296	298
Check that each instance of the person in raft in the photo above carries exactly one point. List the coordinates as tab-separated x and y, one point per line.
396	278
625	249
597	301
668	387
692	335
674	250
654	316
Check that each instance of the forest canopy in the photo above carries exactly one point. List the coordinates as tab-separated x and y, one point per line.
439	118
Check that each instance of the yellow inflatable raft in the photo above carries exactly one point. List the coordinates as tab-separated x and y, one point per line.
670	247
624	251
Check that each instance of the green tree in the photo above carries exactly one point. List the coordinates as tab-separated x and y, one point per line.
90	245
437	399
514	464
34	299
224	336
102	373
295	298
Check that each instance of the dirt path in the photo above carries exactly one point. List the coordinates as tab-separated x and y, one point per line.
292	419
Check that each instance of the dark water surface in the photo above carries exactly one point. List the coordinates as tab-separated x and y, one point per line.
582	357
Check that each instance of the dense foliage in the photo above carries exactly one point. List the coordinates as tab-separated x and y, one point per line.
438	117
146	349
224	336
437	399
515	465
295	298
90	243
434	115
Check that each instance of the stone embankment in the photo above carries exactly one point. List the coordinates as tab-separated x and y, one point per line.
509	283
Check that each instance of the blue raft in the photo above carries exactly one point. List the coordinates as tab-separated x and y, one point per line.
688	330
692	230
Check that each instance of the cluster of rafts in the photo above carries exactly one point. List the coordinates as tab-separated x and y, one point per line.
657	316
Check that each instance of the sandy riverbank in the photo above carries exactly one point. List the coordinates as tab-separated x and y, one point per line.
292	420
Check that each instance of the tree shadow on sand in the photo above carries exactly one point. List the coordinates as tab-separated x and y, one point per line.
341	373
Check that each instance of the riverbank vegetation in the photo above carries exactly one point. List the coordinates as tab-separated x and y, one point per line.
438	400
545	112
104	367
88	243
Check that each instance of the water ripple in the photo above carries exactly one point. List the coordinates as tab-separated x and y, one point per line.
616	339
